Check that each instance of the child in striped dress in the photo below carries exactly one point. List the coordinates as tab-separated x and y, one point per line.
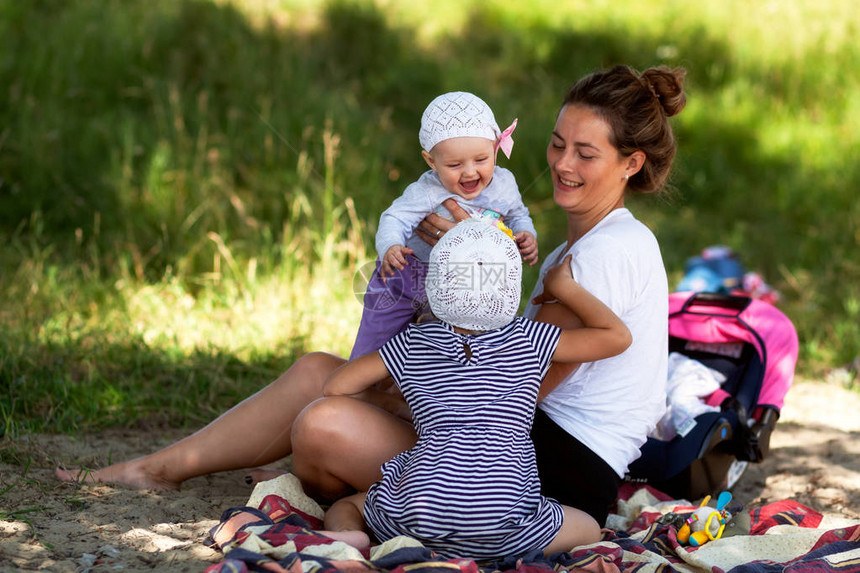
469	487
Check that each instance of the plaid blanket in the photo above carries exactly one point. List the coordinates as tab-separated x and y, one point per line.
276	534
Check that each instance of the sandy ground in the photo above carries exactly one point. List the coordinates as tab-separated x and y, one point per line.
61	527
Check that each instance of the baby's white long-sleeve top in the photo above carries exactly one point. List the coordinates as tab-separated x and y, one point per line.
397	223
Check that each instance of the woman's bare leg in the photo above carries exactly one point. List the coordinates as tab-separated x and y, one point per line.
254	432
385	395
339	443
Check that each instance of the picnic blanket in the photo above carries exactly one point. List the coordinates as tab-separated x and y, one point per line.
274	532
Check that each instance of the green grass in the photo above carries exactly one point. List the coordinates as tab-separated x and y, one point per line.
188	187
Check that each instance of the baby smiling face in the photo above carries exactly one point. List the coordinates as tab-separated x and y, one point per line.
464	164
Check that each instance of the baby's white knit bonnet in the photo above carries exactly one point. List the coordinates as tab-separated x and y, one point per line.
474	276
457	114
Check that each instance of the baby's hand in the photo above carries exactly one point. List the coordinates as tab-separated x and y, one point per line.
395	258
528	246
556	278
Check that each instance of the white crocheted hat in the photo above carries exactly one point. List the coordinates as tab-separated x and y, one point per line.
457	114
474	276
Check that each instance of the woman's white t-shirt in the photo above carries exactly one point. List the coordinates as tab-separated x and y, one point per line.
611	405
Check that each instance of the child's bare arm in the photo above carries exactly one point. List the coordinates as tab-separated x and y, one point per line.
564	318
356	376
602	334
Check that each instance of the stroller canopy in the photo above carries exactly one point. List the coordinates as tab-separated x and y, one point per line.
759	323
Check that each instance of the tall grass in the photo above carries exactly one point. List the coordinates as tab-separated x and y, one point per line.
188	188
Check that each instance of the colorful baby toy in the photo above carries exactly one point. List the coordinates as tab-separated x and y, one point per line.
706	523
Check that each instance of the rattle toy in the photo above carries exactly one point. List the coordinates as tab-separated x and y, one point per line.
706	523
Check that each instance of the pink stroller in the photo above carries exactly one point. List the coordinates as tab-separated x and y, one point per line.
754	346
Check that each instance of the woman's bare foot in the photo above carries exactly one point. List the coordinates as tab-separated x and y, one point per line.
256	475
357	539
129	474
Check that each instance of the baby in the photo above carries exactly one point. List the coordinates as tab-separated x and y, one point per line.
460	139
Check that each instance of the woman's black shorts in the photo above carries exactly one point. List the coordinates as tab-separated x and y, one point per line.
570	472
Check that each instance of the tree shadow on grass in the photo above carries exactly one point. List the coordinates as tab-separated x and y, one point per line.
175	120
165	110
85	386
139	130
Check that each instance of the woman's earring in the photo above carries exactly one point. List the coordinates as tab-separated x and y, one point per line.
626	176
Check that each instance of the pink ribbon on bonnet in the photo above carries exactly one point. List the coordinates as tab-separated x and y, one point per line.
505	141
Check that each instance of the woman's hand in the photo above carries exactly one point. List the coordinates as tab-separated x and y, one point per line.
432	227
556	278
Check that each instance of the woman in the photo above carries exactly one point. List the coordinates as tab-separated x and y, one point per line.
611	137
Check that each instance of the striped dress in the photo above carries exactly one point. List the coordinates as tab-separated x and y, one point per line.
469	488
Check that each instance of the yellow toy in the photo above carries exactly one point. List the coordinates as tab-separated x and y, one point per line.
504	228
706	523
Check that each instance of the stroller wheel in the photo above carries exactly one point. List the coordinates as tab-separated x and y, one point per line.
736	470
